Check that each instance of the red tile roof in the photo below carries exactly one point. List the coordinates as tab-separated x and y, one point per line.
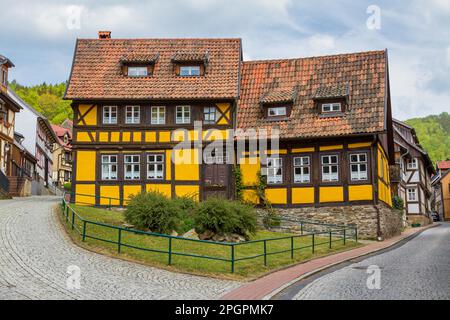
364	74
60	132
443	165
96	72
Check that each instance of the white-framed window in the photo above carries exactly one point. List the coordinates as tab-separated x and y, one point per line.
137	71
412	194
276	111
412	163
189	71
330	168
183	114
155	166
358	166
209	115
158	115
109	114
109	167
132	167
302	169
132	114
331	107
274	170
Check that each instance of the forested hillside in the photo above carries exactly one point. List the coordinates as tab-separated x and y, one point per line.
46	99
434	134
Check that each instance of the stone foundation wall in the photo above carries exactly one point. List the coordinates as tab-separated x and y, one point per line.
363	216
423	220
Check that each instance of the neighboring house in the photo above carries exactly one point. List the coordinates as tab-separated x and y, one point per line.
23	168
441	189
8	109
333	114
62	156
414	170
39	139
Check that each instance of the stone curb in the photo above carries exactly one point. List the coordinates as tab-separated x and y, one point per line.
308	274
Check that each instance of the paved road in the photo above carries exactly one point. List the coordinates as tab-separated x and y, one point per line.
35	255
418	269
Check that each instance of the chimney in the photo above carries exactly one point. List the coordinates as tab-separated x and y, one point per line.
104	34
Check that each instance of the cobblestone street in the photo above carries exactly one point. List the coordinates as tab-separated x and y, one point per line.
35	254
419	269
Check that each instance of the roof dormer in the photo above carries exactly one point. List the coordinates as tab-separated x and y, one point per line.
277	104
190	64
332	101
138	65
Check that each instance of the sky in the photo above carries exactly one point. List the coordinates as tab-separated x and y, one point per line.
39	36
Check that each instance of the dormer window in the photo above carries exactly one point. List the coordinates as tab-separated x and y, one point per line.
137	71
277	111
4	77
331	107
189	71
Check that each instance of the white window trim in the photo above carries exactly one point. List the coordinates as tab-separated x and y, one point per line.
133	119
302	175
209	121
132	172
155	163
412	193
413	164
331	177
184	119
190	69
109	163
276	178
138	70
277	111
160	115
361	175
109	119
332	106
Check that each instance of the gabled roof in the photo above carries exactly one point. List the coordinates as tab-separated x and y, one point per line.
5	60
96	72
443	165
60	133
361	76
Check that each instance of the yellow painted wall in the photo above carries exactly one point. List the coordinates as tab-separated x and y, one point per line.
83	136
331	194
250	196
249	170
277	196
115	136
137	136
164	136
190	169
328	148
110	192
225	109
130	190
302	195
164	189
150	136
360	192
359	145
103	137
168	164
189	191
91	117
126	136
384	191
299	150
86	189
85	165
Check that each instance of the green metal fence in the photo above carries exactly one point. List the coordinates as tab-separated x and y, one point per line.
335	233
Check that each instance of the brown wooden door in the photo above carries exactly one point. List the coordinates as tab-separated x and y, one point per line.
216	180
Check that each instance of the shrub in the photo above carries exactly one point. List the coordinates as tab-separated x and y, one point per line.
397	202
225	217
154	211
271	218
187	206
68	186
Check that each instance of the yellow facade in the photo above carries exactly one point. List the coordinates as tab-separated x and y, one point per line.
186	164
302	195
110	192
85	165
360	192
384	190
276	196
250	196
331	194
129	190
165	189
188	191
89	114
85	194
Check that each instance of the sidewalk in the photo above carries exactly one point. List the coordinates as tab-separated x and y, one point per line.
269	285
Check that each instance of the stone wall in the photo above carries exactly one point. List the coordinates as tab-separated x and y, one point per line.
363	216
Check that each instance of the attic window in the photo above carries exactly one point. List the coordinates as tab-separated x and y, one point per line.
190	71
277	111
331	107
137	71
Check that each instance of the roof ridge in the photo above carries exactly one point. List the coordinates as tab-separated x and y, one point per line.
314	57
140	39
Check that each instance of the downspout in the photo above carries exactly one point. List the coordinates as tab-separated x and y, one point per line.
375	199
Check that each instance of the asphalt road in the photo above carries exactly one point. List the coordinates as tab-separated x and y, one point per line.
417	269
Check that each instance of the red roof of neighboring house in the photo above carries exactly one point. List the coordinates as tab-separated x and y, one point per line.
358	77
60	132
443	165
97	74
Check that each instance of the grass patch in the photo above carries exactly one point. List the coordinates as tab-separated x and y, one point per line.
244	269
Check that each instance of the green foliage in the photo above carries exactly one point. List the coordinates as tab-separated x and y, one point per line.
68	186
46	99
271	219
397	202
239	185
225	217
434	135
187	207
154	211
261	190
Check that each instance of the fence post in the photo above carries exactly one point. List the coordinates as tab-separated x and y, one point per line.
73	218
265	252
84	230
170	251
292	247
344	236
330	239
313	243
232	258
119	240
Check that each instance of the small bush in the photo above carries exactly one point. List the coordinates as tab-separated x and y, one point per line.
67	186
271	218
397	202
154	211
187	206
225	217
